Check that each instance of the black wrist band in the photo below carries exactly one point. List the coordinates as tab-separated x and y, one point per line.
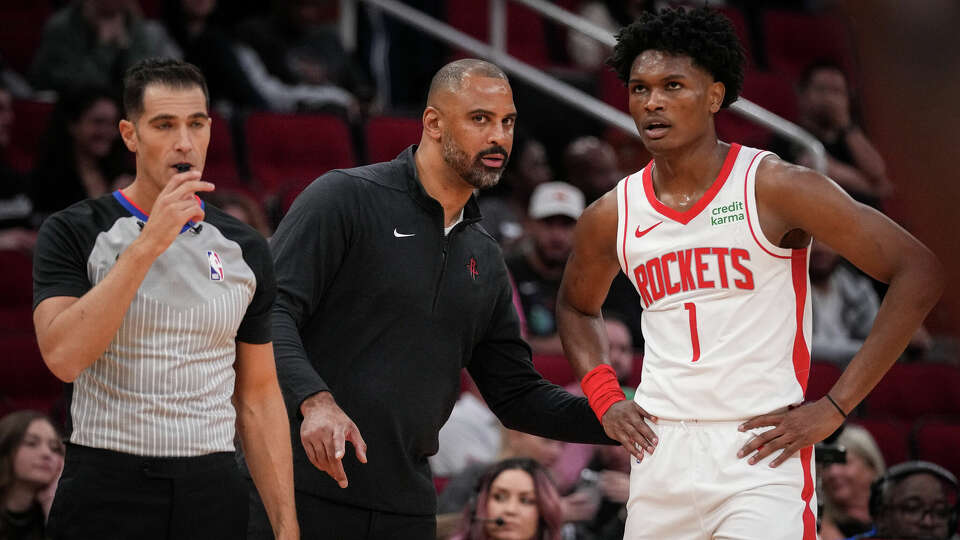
837	406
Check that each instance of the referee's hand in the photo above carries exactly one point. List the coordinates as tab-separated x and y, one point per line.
175	206
324	432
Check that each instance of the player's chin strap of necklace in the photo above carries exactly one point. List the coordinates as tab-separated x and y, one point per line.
837	406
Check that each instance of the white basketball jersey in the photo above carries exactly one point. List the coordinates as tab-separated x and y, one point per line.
726	316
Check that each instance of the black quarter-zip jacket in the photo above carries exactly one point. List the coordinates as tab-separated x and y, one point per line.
378	306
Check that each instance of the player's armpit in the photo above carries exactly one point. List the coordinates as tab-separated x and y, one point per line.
792	198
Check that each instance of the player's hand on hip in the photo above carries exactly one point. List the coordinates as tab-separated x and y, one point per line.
324	432
792	431
175	206
626	422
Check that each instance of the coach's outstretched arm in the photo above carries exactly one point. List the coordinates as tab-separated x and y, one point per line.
586	280
73	332
308	249
796	203
521	398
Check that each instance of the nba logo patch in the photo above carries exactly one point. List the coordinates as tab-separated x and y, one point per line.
216	267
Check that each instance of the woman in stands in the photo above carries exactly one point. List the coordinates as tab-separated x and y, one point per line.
514	500
81	155
31	458
846	486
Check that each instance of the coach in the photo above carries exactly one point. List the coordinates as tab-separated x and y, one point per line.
387	287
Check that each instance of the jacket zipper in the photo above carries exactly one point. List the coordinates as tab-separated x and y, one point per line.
443	268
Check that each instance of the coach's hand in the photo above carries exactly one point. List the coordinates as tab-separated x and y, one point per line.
324	432
625	421
174	207
793	430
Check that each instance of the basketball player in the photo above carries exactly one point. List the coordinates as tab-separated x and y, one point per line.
715	237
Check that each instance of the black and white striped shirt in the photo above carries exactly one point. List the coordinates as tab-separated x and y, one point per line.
164	385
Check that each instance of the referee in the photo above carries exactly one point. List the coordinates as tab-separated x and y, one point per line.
156	308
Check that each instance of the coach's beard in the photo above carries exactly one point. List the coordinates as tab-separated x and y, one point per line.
475	173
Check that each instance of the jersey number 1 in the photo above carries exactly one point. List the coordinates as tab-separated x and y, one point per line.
694	337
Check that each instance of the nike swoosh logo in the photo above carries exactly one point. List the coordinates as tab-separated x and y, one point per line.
401	235
640	233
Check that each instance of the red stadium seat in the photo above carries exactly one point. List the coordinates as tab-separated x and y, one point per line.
796	40
740	27
16	287
29	123
22	30
822	377
554	368
23	375
612	90
387	136
221	165
288	151
16	320
909	391
526	38
892	436
938	441
771	91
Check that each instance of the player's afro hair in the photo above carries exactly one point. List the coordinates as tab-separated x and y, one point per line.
703	34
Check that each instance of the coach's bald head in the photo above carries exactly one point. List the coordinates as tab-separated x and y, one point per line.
452	78
468	121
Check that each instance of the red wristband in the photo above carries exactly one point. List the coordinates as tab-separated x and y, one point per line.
602	389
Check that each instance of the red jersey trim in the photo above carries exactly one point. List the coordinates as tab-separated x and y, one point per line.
746	206
626	226
801	353
687	215
809	520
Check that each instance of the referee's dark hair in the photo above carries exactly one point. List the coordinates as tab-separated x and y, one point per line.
703	34
168	72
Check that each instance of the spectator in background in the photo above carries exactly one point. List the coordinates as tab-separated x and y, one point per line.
92	42
823	107
538	267
82	155
31	458
298	49
504	206
15	205
591	165
471	435
917	500
515	499
580	505
516	444
846	486
844	307
206	45
242	207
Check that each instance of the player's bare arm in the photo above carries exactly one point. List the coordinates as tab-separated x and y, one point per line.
796	204
263	429
590	270
74	332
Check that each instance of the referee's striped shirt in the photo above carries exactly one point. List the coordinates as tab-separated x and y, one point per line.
164	385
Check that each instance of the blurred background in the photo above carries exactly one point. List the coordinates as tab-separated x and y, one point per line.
300	87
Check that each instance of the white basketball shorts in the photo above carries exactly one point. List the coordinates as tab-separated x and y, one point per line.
695	487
